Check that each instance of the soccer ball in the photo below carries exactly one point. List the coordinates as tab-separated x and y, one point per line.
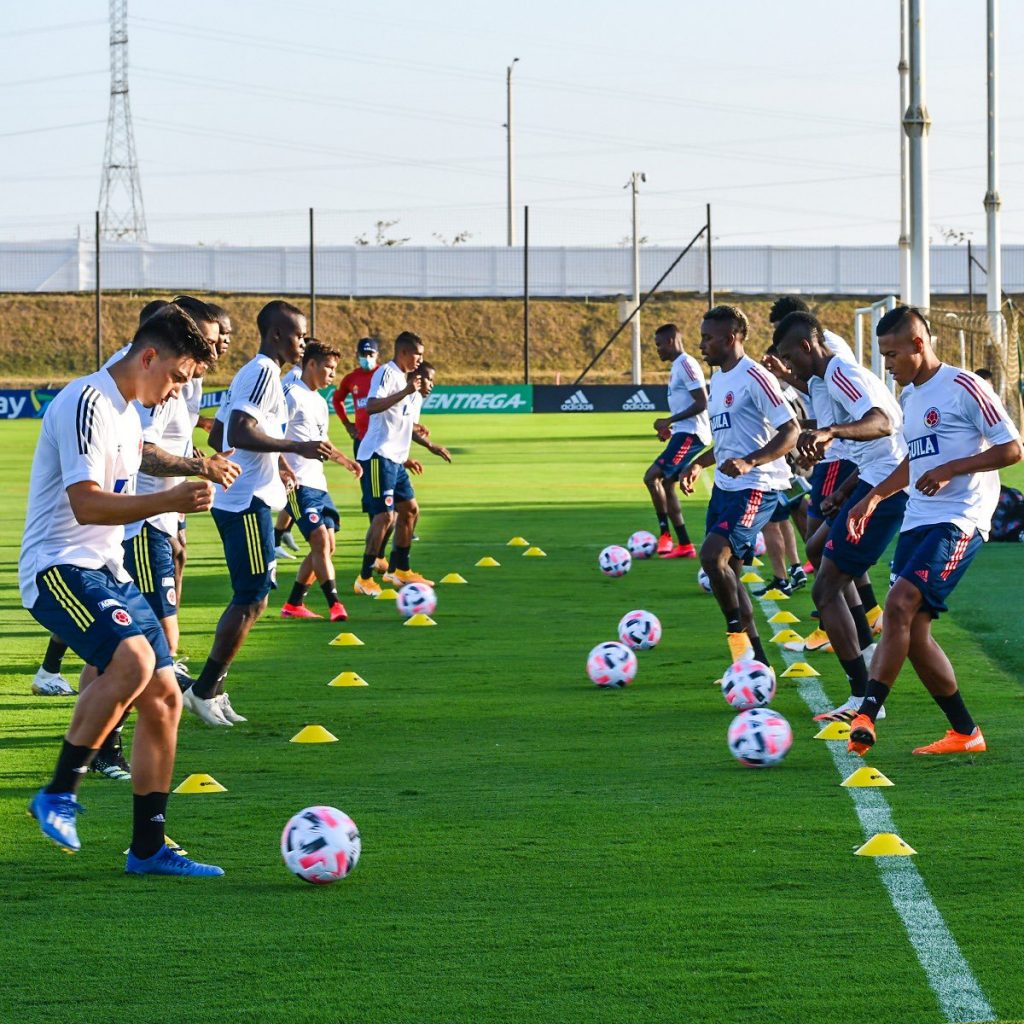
416	599
759	738
703	582
615	560
611	665
640	630
759	545
320	845
642	544
748	684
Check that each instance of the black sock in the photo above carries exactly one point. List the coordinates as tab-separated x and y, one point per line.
367	570
278	534
330	590
112	744
684	537
400	558
867	596
860	620
72	764
148	823
209	679
759	652
662	523
857	673
298	594
874	697
955	710
55	651
732	620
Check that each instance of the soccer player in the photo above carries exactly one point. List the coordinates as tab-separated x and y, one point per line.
689	434
284	542
753	429
863	414
74	584
252	420
958	436
357	384
311	505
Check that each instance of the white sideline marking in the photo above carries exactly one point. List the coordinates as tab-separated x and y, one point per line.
949	975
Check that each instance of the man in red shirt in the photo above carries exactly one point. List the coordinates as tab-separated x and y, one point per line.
357	384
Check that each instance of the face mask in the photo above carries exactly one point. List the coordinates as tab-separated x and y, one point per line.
366	362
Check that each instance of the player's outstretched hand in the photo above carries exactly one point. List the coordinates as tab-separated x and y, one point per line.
219	469
190	496
441	452
414	467
287	475
688	479
858	517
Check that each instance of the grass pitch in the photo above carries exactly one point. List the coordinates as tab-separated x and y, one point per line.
533	849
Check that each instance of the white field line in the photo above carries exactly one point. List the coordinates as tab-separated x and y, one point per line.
949	975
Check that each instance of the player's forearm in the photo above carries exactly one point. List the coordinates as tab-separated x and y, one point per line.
897	480
375	405
874	425
104	508
781	444
692	410
999	456
205	423
157	462
706	460
246	436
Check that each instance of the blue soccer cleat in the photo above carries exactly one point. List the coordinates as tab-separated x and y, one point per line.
167	862
56	813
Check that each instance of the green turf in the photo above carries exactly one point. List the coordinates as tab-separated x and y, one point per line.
533	849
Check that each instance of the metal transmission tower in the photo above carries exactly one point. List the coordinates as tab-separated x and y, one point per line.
121	212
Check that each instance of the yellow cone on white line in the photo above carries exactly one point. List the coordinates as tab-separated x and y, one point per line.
757	563
783	619
864	777
834	731
885	844
775	595
787	636
751	577
800	670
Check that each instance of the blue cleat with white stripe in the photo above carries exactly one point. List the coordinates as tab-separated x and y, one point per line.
56	814
168	862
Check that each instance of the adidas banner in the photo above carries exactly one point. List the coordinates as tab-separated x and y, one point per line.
649	398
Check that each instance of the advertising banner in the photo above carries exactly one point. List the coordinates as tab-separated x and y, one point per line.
600	398
480	398
25	403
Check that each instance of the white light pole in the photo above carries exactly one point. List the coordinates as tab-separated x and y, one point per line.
993	243
634	180
508	169
916	124
904	243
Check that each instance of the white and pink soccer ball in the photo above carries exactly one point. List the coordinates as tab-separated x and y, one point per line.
614	560
642	544
703	582
321	845
611	665
759	738
759	545
416	599
748	684
640	630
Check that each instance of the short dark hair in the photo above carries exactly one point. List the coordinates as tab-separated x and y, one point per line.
667	329
196	308
220	314
425	369
172	330
319	351
895	318
785	305
806	323
983	373
273	313
407	341
149	309
731	315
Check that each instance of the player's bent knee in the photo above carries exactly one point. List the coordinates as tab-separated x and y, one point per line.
902	604
132	665
161	697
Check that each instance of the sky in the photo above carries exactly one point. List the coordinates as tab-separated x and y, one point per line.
783	116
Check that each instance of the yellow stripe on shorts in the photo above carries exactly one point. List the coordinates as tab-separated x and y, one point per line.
57	586
257	564
143	567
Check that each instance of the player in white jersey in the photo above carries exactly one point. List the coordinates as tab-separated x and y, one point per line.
958	436
252	421
864	415
311	506
284	542
753	429
72	579
688	433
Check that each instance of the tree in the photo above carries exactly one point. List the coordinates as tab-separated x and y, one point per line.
381	228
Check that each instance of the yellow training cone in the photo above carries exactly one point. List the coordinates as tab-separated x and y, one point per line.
757	563
419	619
866	777
201	784
800	670
346	640
534	553
751	577
348	679
885	844
313	734
454	577
787	636
487	562
387	594
775	595
834	731
783	619
518	542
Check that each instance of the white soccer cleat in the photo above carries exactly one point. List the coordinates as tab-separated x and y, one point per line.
229	713
282	552
868	653
206	710
288	541
51	684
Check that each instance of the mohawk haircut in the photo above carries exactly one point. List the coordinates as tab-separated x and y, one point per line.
896	318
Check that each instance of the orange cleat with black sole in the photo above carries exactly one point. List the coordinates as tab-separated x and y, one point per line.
862	735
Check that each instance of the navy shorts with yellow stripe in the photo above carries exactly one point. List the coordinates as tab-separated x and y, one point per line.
92	613
149	559
934	559
679	454
312	508
384	484
248	539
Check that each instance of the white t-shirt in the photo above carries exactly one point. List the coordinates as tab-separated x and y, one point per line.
746	408
821	406
90	432
953	416
293	376
853	392
192	393
687	376
390	432
256	391
307	421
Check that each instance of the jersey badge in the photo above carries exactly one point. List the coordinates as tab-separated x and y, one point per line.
932	418
121	617
729	398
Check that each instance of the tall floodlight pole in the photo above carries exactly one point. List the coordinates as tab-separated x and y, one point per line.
121	209
916	124
510	182
633	185
904	244
994	254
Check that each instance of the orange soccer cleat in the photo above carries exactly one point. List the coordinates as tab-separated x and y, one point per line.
956	743
681	551
338	613
298	611
862	735
664	544
380	565
370	587
400	577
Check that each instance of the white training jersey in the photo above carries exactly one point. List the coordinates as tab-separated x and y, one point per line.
390	432
953	416
746	408
821	406
192	393
90	432
293	376
307	421
686	377
853	392
256	391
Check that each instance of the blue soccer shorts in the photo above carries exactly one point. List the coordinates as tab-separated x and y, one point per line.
825	478
679	454
149	559
934	558
855	557
385	484
248	539
740	516
312	508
